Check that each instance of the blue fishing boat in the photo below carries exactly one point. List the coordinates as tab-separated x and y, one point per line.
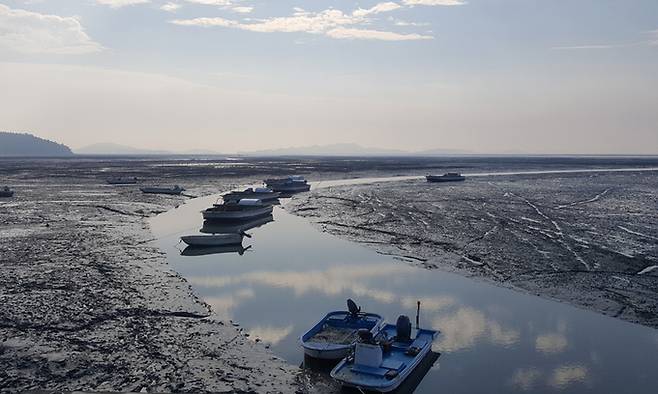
333	336
383	361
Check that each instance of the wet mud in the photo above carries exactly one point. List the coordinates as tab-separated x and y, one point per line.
87	302
588	239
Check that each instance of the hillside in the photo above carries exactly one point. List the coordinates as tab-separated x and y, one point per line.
23	144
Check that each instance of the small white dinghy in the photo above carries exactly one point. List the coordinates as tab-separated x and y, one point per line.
212	240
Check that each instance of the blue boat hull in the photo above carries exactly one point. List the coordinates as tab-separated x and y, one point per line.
339	320
396	364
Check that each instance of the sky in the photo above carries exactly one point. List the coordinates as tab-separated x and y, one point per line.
485	76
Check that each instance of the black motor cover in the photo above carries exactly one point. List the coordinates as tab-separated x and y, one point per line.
351	306
403	328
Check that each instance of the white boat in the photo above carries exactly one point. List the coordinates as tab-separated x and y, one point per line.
291	184
447	177
175	190
243	210
6	192
212	240
214	227
261	193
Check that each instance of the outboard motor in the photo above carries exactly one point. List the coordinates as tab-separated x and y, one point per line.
403	328
351	306
365	336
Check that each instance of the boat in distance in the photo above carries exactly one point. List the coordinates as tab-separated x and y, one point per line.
291	184
243	210
212	240
382	362
214	227
122	181
447	177
6	192
174	190
335	334
261	193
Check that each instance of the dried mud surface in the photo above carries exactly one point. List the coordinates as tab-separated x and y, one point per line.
587	239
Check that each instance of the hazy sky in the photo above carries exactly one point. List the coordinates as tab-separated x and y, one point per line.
536	76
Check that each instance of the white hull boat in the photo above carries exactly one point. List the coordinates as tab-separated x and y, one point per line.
243	210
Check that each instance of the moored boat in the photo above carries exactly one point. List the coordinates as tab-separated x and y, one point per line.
260	193
174	190
212	240
447	177
244	210
6	192
214	227
122	181
291	184
333	336
382	362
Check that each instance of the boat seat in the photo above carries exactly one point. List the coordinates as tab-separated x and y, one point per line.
387	365
377	371
419	343
393	364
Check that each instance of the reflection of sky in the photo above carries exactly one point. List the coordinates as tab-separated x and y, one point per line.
492	339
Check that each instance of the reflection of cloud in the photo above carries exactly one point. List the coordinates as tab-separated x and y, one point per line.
462	329
551	343
333	281
272	335
566	375
432	304
223	306
525	378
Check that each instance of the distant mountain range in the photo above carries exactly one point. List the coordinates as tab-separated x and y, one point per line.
124	150
349	150
23	144
346	149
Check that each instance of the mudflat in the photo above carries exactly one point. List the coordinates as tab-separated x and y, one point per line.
89	303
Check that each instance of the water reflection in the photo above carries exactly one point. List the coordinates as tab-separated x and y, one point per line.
493	339
208	250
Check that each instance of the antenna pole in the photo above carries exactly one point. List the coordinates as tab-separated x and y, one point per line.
418	316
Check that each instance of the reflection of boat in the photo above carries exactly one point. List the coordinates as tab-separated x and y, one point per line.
260	193
211	227
6	192
334	335
291	184
122	181
384	361
175	190
447	177
203	251
212	240
243	210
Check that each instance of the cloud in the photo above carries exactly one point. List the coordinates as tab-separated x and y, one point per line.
433	2
121	3
331	23
170	7
365	34
32	33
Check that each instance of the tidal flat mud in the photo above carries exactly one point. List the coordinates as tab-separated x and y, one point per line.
588	239
87	302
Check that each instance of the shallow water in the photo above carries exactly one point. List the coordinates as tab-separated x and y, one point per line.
492	339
